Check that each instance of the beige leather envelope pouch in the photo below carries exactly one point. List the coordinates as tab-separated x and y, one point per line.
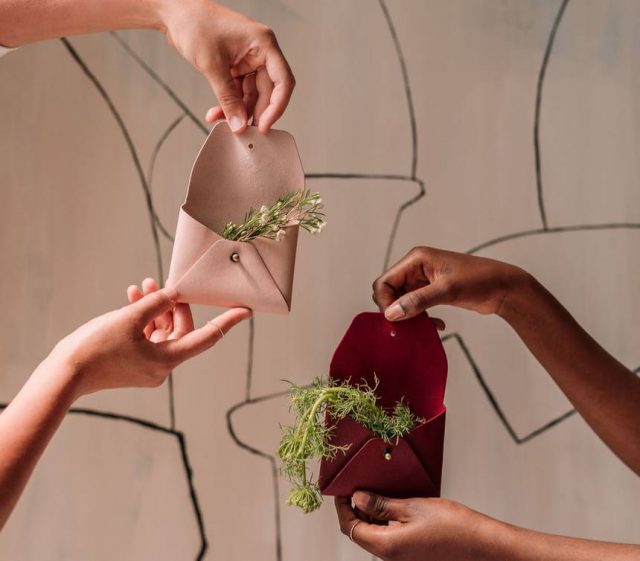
232	174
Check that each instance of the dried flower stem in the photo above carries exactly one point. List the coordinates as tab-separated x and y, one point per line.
301	207
310	437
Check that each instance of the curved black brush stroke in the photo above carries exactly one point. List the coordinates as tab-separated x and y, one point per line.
259	453
554	230
184	456
154	156
536	123
127	137
135	56
249	377
138	166
494	402
414	132
407	86
401	208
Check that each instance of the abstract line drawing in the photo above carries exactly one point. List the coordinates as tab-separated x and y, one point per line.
184	457
159	229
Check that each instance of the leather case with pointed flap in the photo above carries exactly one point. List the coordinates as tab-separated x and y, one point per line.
410	364
232	174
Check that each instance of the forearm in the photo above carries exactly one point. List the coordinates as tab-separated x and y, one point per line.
605	393
498	541
519	544
27	425
29	21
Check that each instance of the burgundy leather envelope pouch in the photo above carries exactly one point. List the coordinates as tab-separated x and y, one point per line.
233	174
409	362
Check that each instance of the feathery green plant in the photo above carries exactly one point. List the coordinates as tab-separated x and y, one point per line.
301	206
310	437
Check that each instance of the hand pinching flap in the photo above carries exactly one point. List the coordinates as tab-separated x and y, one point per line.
233	174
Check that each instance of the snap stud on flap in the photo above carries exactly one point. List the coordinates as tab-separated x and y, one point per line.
235	257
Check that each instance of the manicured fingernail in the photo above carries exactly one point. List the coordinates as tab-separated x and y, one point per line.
235	123
171	293
394	312
209	116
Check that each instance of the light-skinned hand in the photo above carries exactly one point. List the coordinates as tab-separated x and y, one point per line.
239	57
139	344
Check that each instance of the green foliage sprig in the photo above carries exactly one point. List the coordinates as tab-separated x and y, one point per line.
310	436
301	206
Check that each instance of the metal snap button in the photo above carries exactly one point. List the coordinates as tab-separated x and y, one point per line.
235	257
387	455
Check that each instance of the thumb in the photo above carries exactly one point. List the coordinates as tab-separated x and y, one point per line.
415	302
381	508
229	94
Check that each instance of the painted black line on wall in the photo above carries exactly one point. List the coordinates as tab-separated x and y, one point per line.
184	457
536	123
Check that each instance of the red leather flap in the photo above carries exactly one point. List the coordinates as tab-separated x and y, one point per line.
347	433
389	469
427	441
407	358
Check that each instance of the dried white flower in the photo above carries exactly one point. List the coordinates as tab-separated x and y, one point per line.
300	206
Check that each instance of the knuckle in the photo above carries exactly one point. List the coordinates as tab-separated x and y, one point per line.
415	299
289	82
206	64
132	318
451	288
378	284
267	35
424	253
418	251
228	98
380	505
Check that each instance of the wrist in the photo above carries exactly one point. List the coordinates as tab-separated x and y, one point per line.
522	290
494	540
61	371
152	14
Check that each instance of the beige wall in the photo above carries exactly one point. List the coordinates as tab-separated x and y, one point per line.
76	231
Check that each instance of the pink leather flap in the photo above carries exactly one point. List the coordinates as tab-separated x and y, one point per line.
234	173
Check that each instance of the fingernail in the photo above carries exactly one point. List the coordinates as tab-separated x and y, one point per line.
361	499
171	293
235	123
394	312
